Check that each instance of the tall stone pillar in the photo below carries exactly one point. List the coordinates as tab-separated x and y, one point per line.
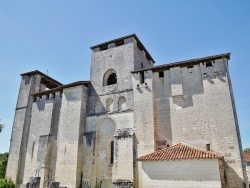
123	158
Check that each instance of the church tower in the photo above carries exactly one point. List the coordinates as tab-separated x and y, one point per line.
110	114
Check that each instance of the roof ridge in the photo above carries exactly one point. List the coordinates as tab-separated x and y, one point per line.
181	151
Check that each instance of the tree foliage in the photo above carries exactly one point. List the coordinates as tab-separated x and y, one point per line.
7	183
1	126
3	165
247	150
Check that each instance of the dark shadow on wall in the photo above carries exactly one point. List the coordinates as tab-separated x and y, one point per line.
183	101
94	105
41	105
232	179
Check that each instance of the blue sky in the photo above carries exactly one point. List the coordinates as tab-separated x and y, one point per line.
56	36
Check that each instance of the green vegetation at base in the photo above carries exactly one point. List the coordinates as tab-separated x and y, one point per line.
3	165
7	183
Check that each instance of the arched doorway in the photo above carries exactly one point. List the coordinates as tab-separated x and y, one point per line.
104	152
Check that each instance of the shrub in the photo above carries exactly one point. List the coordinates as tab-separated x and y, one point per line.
7	183
3	165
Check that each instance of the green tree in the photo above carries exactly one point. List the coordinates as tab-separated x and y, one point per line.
1	125
247	150
3	165
7	183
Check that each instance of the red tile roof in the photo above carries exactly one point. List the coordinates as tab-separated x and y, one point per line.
181	151
247	156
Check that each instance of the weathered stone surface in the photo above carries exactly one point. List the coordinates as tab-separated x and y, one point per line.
92	133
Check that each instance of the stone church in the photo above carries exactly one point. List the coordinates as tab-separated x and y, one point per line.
132	125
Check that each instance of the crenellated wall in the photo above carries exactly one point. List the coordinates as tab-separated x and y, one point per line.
193	104
41	140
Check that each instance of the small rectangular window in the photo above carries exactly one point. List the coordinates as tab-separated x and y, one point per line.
208	147
161	74
209	64
142	77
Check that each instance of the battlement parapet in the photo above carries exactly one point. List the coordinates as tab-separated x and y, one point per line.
45	79
122	41
186	63
52	93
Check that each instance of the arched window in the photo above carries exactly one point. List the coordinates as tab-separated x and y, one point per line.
109	105
110	77
122	103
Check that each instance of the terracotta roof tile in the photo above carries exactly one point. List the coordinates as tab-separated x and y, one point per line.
247	156
181	151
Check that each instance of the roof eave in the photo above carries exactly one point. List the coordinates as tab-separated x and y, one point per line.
185	62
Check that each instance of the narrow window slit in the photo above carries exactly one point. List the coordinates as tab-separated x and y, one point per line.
142	77
33	146
112	152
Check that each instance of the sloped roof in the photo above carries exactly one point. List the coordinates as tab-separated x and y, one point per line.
180	151
247	157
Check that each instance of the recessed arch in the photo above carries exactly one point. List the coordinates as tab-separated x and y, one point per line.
109	105
104	145
122	105
110	77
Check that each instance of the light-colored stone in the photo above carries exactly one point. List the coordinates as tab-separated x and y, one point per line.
66	134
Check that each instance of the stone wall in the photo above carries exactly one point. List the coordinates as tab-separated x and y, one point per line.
91	143
144	141
71	124
197	109
181	173
20	130
36	162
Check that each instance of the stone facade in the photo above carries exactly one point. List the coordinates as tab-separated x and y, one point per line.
92	132
181	173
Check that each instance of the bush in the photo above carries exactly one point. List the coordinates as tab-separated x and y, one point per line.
3	165
7	183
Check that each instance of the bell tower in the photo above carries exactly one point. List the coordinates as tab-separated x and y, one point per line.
111	66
